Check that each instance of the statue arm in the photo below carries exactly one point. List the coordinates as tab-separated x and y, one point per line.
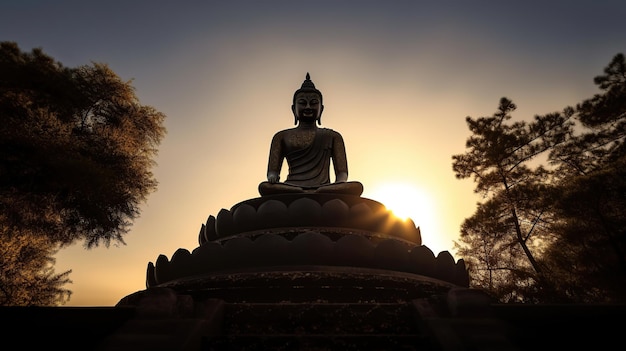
341	177
275	161
340	161
273	177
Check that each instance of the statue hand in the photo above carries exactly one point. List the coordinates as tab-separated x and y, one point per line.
273	177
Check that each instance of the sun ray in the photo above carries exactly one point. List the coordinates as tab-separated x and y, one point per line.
406	200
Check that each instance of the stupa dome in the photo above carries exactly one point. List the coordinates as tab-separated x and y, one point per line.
320	232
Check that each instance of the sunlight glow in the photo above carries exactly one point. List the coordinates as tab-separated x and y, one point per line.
406	200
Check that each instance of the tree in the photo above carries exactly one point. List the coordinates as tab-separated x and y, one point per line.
590	253
588	256
76	152
557	234
502	241
603	118
27	272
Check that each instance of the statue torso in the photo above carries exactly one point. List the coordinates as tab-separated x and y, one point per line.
296	139
308	153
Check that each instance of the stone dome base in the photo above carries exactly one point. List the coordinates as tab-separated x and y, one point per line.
310	284
342	233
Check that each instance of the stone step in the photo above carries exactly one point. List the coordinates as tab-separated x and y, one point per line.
157	334
320	326
470	334
321	342
319	318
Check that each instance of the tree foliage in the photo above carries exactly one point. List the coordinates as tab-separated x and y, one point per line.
592	197
501	240
76	151
550	232
604	120
27	275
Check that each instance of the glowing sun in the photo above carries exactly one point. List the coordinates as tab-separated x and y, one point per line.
405	200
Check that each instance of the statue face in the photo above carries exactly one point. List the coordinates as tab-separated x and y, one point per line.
307	107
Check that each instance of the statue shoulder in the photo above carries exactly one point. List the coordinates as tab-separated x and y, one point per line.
329	130
332	132
282	133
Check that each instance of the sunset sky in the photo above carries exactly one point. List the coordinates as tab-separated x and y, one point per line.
398	78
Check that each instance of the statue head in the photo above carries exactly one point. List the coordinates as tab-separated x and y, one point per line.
305	98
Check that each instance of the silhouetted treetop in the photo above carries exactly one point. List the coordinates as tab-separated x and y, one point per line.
76	149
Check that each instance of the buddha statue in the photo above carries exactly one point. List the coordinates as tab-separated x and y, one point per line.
308	150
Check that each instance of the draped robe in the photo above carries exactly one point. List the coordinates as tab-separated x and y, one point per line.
309	166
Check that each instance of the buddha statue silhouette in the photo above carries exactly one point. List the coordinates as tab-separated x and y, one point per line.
309	151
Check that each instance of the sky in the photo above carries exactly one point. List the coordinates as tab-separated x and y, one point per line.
398	79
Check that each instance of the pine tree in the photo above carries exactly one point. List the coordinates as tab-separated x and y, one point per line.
590	254
502	242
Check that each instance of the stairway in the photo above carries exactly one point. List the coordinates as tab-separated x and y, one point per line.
461	319
319	326
165	321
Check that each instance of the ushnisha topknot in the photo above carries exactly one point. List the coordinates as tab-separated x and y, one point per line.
307	85
307	82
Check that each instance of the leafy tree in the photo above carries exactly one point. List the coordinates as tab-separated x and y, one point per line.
502	241
590	254
76	152
551	235
27	273
604	120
